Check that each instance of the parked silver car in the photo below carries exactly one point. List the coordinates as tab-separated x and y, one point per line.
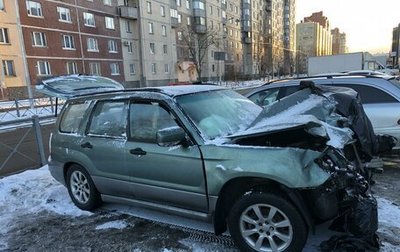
380	96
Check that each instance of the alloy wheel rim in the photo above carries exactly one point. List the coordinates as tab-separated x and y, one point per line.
266	228
80	187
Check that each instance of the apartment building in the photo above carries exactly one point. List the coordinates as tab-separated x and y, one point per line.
313	38
139	42
339	43
11	53
395	53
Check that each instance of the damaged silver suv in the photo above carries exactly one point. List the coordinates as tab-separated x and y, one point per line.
208	153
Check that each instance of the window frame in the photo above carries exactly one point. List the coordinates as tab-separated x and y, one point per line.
4	35
97	68
87	17
112	46
34	5
74	67
70	41
115	69
47	68
6	68
96	44
67	14
43	39
109	23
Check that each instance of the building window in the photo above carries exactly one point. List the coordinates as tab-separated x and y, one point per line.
68	42
43	68
180	35
132	69
92	45
164	30
166	68
4	36
72	67
112	46
8	68
165	49
152	48
162	11
94	68
187	4
178	2
110	23
107	2
179	18
188	21
1	4
130	46
198	5
153	68
64	14
114	68
89	19
39	39
34	9
128	26
149	7
151	30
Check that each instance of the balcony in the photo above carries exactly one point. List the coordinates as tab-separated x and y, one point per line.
247	40
128	12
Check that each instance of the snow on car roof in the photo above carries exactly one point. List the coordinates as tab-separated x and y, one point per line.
187	89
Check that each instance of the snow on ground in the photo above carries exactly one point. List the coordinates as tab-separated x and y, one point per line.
35	191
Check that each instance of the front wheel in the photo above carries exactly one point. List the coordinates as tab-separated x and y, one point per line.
81	188
266	222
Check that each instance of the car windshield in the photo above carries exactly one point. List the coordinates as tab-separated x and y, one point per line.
219	113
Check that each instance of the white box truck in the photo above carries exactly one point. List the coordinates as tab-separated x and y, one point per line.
345	62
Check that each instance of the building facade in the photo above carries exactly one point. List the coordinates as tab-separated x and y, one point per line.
140	42
395	53
339	43
313	38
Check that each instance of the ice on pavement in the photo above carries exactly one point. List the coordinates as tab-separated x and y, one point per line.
34	191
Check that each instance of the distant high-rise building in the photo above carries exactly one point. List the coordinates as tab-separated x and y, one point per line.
313	38
339	44
395	53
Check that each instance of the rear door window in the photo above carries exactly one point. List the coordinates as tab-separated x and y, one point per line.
371	95
72	117
109	119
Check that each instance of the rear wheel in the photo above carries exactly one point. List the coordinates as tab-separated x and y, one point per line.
266	222
81	188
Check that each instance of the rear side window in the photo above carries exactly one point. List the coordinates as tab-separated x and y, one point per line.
265	97
72	117
370	95
109	119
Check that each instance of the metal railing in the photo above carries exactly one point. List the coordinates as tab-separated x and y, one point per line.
11	110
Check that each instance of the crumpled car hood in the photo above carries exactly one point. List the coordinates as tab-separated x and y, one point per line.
303	109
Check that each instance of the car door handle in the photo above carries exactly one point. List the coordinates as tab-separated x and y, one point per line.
138	152
87	145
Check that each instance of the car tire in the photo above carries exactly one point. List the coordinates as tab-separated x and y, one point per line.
81	188
261	221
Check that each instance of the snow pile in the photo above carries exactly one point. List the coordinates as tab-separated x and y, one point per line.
113	224
33	191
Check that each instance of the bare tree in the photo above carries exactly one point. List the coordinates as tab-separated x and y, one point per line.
198	44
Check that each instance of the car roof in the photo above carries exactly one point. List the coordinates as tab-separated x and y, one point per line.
382	82
171	91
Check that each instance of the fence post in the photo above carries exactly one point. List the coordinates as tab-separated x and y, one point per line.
51	105
39	139
17	108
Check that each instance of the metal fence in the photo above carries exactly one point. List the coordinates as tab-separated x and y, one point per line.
23	143
11	110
